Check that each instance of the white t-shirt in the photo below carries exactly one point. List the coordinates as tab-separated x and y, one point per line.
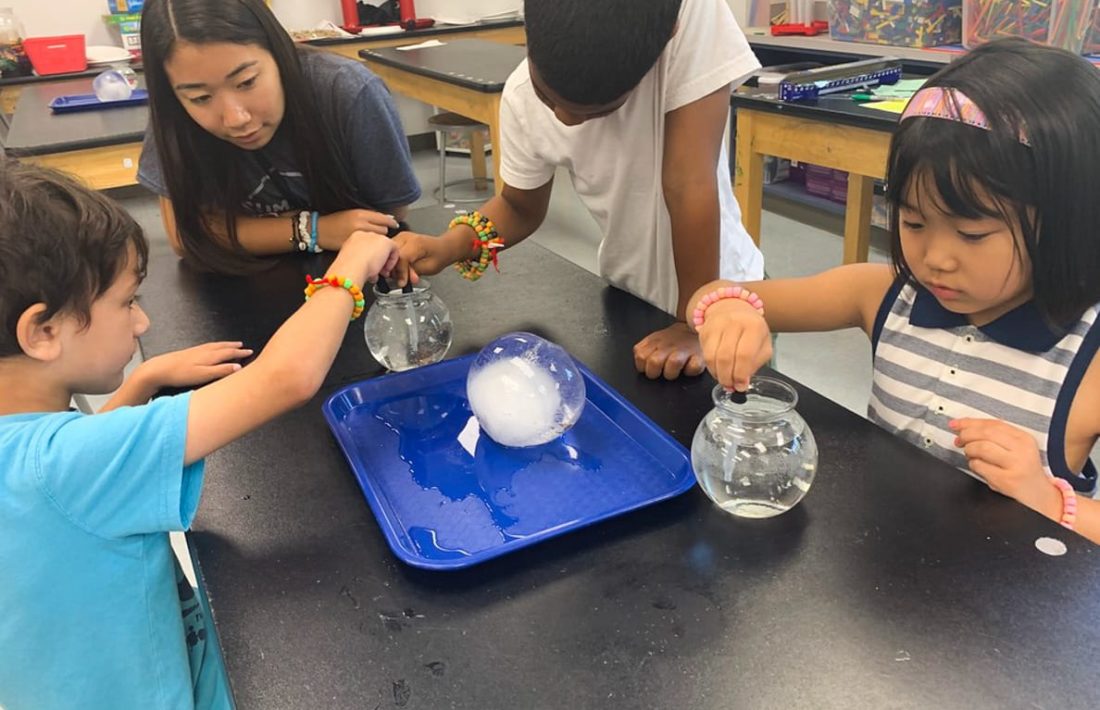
615	161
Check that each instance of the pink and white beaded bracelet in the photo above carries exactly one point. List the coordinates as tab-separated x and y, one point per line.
719	294
1069	502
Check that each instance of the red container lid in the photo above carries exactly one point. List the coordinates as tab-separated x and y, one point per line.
56	55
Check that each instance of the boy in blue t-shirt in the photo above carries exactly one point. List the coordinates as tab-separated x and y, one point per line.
96	611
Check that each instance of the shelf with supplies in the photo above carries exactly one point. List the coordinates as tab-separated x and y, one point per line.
826	50
797	190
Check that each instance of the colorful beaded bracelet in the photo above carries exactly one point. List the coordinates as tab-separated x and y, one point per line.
719	294
1069	503
486	240
312	285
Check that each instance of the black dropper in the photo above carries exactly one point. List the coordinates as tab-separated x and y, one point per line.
383	286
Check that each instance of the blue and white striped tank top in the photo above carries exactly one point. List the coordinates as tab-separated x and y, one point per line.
932	366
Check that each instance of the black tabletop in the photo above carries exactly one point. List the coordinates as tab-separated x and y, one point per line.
771	54
6	81
836	108
426	33
35	130
37	78
898	582
472	63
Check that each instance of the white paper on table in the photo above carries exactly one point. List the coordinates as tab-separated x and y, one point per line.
422	45
469	435
381	30
468	11
332	26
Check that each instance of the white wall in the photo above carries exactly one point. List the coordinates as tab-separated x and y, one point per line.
299	14
740	10
56	17
64	17
303	14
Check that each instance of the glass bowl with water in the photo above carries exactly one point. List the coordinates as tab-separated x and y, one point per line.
753	454
407	328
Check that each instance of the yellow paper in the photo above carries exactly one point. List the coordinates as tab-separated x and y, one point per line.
891	105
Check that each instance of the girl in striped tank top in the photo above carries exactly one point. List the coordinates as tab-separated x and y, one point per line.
984	327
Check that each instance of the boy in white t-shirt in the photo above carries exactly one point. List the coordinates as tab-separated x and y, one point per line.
632	97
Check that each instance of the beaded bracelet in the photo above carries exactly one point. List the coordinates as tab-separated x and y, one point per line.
1069	503
486	240
314	247
719	294
300	225
312	285
304	237
295	242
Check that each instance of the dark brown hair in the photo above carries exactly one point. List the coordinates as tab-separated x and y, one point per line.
201	171
61	244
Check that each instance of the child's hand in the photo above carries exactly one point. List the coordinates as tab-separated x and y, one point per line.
191	367
426	255
365	256
736	342
334	229
188	368
669	352
1007	458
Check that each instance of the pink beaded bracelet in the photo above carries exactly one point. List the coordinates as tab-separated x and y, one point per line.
717	295
1069	503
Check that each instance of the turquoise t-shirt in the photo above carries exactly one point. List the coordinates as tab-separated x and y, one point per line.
92	613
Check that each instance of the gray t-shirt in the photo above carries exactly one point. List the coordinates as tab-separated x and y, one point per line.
372	140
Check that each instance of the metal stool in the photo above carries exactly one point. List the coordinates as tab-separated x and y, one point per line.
447	121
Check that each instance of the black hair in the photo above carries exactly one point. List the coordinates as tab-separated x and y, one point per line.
210	190
592	52
61	244
1052	98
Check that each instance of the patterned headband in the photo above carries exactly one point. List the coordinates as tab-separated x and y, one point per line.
949	104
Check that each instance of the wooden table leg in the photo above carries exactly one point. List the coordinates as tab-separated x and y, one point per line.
478	105
477	159
9	97
857	218
861	152
748	179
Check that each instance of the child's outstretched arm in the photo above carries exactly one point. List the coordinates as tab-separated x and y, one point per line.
736	340
515	213
290	370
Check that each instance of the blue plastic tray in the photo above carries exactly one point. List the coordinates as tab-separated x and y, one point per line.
89	102
446	499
